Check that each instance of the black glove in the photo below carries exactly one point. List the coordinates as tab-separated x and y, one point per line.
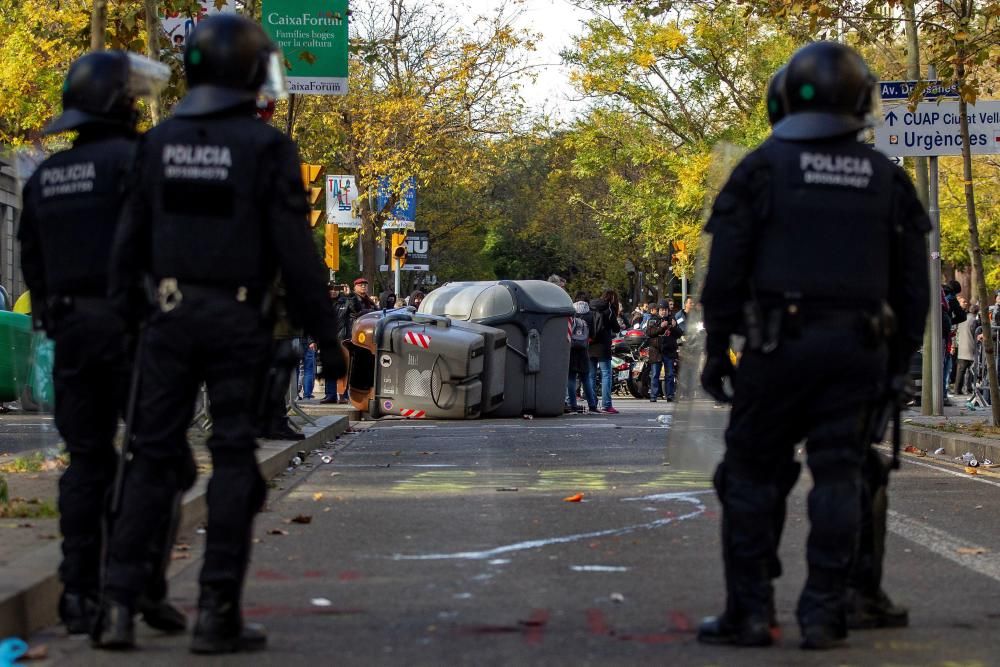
717	368
331	356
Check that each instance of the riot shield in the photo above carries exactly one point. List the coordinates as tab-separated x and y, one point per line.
698	422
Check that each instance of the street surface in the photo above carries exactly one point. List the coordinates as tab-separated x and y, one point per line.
432	543
22	432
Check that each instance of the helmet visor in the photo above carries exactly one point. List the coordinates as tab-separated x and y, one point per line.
146	78
275	85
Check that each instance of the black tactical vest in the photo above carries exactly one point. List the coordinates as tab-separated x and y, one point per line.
74	198
828	229
206	179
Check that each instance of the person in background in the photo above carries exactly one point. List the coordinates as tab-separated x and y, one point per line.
415	299
387	300
605	311
580	368
965	340
663	334
307	380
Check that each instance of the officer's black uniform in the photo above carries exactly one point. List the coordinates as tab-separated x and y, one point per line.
71	208
813	235
216	209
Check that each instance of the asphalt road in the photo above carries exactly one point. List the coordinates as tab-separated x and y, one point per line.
24	432
432	543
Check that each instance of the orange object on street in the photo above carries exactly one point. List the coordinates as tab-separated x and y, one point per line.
574	499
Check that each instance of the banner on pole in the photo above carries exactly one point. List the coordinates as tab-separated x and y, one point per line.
342	202
178	25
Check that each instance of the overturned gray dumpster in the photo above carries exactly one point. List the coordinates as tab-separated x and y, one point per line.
425	366
534	315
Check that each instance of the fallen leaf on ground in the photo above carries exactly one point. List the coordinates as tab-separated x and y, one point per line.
574	498
277	531
40	652
972	551
971	470
301	518
397	452
317	496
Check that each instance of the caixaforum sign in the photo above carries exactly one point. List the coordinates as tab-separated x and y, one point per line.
312	35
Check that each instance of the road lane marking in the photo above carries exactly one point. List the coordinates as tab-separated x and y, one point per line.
946	545
689	497
940	468
598	568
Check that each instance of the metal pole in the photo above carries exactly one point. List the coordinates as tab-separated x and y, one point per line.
397	285
934	269
684	289
937	334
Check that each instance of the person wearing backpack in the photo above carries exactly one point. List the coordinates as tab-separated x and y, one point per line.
605	311
580	368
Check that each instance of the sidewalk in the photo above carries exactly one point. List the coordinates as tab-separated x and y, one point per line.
952	432
29	542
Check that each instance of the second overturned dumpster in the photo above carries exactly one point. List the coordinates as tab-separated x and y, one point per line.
421	366
535	316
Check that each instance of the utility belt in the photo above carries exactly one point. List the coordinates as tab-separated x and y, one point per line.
168	293
768	322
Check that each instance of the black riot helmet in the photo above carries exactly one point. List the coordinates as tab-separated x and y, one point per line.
775	101
228	60
828	92
96	93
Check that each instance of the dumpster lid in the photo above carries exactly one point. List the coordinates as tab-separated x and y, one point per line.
480	300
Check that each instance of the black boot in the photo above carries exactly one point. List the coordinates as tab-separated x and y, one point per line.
114	627
821	611
282	430
163	616
750	631
865	612
220	627
77	611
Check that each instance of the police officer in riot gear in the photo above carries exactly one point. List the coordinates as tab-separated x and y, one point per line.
215	210
71	208
818	259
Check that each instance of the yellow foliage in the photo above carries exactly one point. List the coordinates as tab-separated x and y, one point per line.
669	38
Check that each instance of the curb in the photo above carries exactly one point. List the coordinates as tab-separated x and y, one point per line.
955	444
30	588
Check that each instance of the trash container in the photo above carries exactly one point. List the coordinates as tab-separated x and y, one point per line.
419	367
536	316
26	359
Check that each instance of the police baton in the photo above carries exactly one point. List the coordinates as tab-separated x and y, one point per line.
130	409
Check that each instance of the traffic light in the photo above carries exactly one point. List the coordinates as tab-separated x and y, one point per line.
680	252
332	246
398	249
310	172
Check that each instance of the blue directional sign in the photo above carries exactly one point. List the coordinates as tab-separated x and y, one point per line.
934	128
901	90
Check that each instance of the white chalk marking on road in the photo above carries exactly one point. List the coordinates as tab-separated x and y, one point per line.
598	568
946	545
683	496
499	561
939	468
564	539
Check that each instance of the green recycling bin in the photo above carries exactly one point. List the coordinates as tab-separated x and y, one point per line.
26	359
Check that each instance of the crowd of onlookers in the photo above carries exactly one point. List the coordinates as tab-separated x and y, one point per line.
962	330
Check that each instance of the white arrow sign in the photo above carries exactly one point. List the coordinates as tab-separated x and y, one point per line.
934	129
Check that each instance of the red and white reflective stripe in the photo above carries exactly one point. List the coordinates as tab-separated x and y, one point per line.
569	330
412	414
418	339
